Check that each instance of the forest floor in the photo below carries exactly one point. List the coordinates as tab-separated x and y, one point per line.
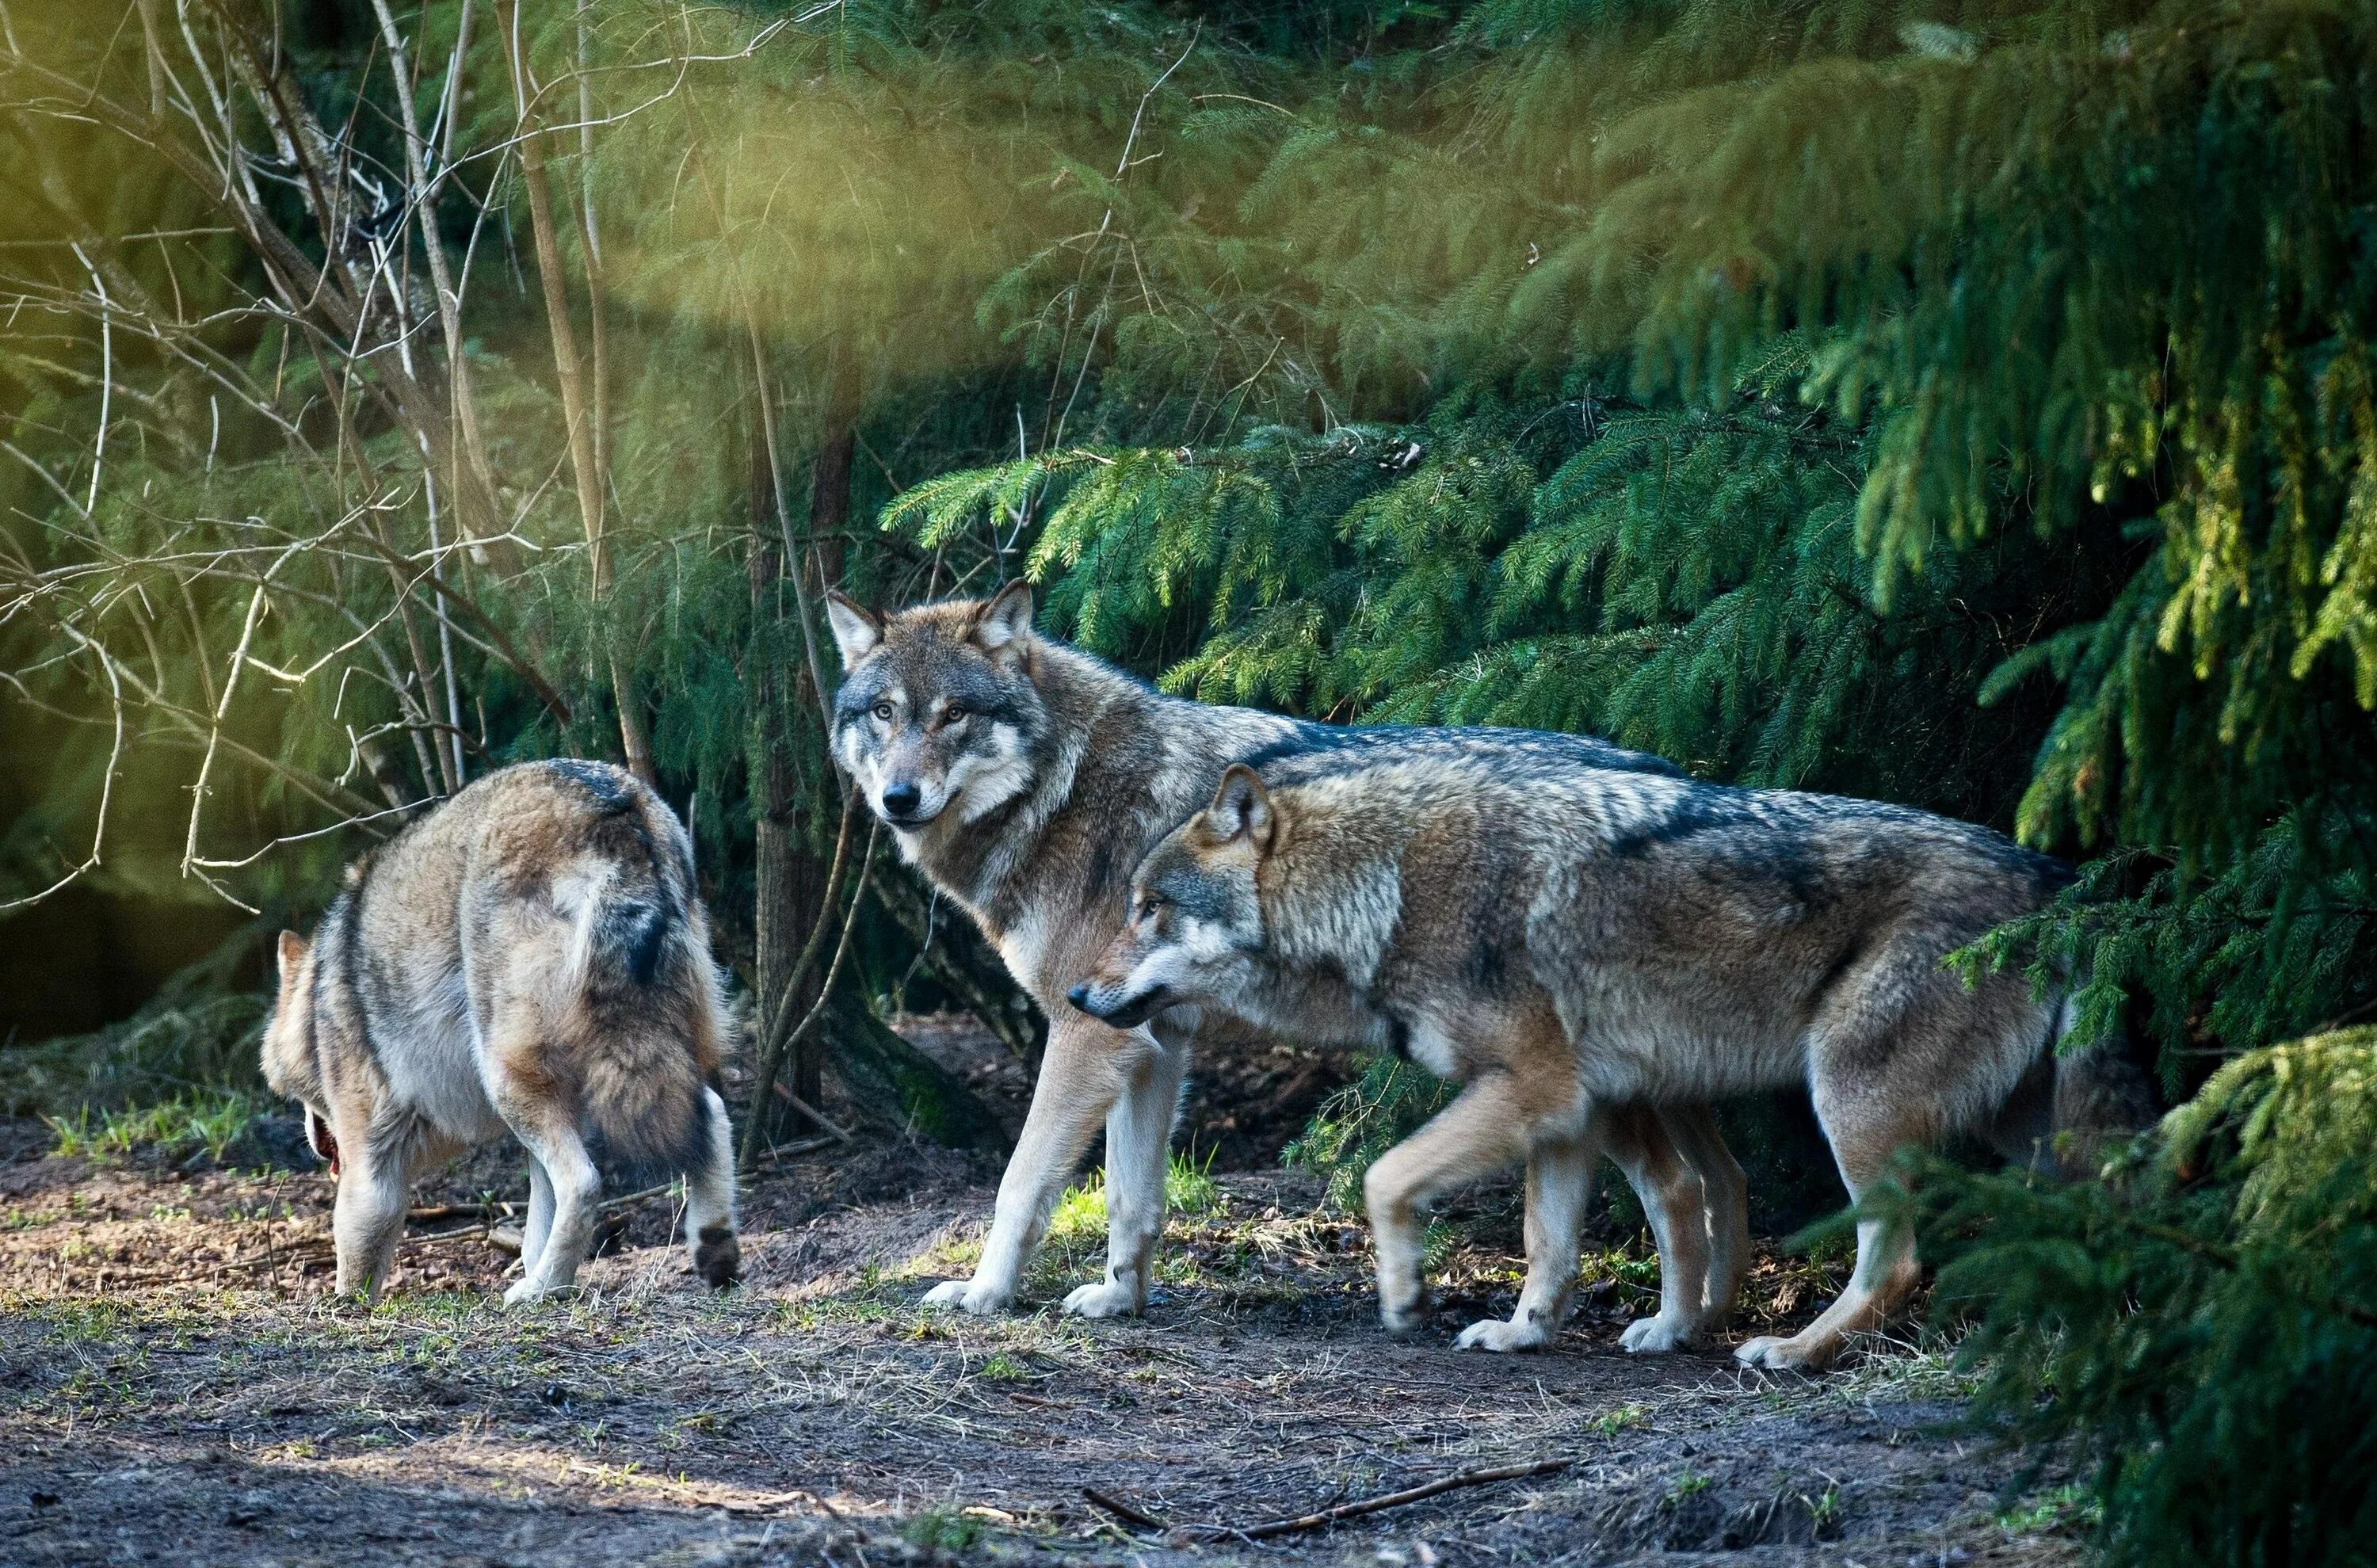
177	1385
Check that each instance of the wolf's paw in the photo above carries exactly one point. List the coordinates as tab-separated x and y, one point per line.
718	1257
522	1291
1654	1336
1495	1335
1107	1299
1403	1321
962	1295
1772	1353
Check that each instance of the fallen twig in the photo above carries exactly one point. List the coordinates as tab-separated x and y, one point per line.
1122	1510
797	1147
1329	1516
841	1134
432	1213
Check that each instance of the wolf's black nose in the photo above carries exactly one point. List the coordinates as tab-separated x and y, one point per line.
1079	996
901	799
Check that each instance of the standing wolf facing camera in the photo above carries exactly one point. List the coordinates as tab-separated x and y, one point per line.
1025	778
1561	938
529	958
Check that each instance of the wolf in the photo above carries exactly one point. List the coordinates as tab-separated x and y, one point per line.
1563	938
1025	779
531	958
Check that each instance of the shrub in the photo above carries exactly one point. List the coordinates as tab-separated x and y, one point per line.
2202	1325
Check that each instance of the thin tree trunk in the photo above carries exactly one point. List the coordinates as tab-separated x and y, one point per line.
789	874
829	515
576	407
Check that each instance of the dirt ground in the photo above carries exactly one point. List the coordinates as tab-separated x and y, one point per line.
178	1386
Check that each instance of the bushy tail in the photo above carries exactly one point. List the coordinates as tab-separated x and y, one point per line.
627	937
621	932
645	997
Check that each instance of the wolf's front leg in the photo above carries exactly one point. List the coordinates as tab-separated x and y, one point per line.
1080	1076
1480	1133
539	1223
369	1214
1725	1192
1675	1201
1138	1148
1559	1183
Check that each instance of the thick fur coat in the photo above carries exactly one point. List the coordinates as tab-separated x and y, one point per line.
530	958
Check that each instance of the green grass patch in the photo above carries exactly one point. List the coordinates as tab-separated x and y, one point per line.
1080	1215
2065	1506
941	1529
207	1120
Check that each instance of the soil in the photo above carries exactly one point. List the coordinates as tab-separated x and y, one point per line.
178	1385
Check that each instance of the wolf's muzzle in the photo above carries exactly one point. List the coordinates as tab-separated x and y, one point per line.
899	807
1117	1012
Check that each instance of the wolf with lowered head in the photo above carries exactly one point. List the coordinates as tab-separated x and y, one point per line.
529	958
1561	938
1026	778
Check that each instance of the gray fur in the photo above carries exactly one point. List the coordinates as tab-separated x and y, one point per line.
1032	803
530	958
1566	937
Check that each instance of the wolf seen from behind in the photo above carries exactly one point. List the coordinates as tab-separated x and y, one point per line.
529	958
1025	778
1560	939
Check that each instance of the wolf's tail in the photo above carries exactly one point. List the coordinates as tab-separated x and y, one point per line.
2104	1096
645	996
622	935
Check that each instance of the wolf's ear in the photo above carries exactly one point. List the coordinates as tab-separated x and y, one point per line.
857	629
1241	809
292	953
1007	617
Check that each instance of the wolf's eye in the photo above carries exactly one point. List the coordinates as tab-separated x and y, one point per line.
883	711
954	711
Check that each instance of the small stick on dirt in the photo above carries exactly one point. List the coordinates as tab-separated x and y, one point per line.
797	1147
431	1215
806	1109
629	1199
1328	1517
1124	1511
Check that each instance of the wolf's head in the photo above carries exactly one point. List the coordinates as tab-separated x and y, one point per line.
1195	934
938	713
290	1067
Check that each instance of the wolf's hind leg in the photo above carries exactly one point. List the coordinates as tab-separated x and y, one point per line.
1482	1131
1672	1200
369	1214
1864	1134
554	1143
1559	1182
710	1200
